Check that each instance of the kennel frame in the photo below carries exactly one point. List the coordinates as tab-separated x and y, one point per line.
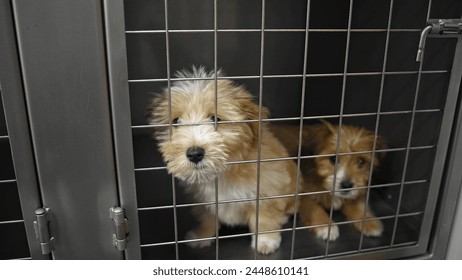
122	129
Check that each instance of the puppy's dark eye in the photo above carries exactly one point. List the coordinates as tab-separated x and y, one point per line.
332	159
176	121
212	119
360	162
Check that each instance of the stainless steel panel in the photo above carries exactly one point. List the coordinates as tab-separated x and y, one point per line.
18	127
442	245
62	55
455	243
120	102
450	127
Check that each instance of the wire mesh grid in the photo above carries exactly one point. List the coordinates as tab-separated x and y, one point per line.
11	221
401	219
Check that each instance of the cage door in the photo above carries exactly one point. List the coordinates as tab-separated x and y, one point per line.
61	46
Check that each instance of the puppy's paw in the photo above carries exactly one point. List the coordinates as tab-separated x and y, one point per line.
372	228
267	243
197	244
323	232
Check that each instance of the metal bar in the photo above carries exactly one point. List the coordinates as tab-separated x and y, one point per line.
167	57
353	115
302	157
377	121
411	128
4	137
300	134
383	252
273	197
11	222
446	27
273	231
345	70
211	238
167	54
260	105
150	168
18	126
399	183
8	181
121	122
270	30
291	76
215	68
423	39
375	249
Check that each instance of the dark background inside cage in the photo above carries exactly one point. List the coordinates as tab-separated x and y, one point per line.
191	42
11	221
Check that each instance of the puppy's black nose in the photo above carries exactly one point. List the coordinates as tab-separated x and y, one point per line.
346	184
195	154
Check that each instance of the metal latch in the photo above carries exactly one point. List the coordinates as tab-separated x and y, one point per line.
121	228
441	27
42	231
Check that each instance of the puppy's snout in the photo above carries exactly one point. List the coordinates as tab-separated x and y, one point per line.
195	154
346	184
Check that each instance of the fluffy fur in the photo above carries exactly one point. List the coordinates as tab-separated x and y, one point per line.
192	108
351	179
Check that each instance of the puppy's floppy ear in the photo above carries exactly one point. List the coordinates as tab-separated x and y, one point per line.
245	100
157	109
329	126
380	144
251	109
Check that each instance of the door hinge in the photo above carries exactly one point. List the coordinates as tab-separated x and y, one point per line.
42	230
443	27
121	228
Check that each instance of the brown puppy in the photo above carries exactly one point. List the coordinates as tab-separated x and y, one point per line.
347	181
198	153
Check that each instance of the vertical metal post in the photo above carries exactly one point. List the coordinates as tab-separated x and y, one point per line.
342	103
452	177
300	133
377	121
18	126
260	104
121	122
215	74
167	56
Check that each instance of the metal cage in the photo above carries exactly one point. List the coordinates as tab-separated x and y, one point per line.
78	77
